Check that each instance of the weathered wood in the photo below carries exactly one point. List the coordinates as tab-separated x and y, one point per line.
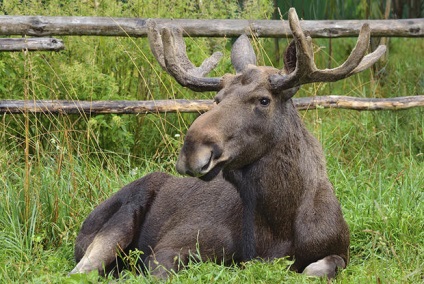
31	44
169	106
102	107
355	103
136	27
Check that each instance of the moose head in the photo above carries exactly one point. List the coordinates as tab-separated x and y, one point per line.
251	106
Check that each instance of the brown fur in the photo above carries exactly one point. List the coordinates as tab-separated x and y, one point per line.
263	192
270	157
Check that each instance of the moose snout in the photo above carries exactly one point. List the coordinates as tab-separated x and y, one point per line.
198	160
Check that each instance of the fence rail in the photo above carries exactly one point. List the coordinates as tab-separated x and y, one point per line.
166	106
137	27
31	44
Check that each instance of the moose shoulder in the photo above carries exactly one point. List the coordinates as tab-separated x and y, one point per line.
259	187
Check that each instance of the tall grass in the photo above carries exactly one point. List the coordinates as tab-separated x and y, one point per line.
54	169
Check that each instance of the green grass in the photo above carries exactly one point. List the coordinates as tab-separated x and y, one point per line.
55	169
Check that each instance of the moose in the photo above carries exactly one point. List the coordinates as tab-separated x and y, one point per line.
258	186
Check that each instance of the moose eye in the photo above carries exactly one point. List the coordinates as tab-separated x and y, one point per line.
264	101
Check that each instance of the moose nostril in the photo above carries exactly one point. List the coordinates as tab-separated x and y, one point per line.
206	161
206	166
216	152
197	160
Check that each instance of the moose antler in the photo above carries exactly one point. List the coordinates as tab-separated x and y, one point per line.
306	70
168	47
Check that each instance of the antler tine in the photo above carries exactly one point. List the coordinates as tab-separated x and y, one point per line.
207	65
306	70
353	61
155	42
370	59
304	51
169	48
305	64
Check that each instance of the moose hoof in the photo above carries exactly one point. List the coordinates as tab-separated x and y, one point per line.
325	267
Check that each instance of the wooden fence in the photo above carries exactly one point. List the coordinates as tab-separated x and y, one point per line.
40	26
158	106
137	27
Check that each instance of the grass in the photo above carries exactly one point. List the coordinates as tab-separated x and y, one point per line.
375	160
55	169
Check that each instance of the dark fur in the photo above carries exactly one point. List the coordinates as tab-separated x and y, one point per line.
271	199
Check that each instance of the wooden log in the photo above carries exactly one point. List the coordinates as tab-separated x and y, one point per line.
137	27
355	103
170	106
103	107
31	44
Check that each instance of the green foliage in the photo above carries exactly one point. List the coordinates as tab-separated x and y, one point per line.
351	9
55	169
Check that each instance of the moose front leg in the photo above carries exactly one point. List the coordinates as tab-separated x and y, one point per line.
327	266
322	243
115	235
100	253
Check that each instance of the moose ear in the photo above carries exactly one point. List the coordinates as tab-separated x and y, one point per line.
242	54
289	93
290	57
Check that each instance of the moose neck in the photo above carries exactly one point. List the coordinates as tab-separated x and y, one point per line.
274	185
